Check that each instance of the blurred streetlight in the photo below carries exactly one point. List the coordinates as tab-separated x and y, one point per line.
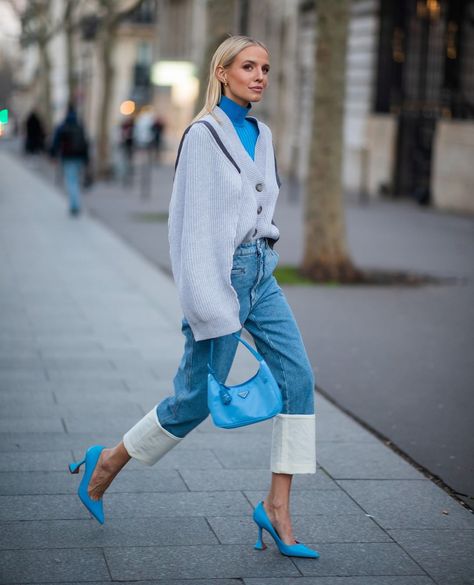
127	107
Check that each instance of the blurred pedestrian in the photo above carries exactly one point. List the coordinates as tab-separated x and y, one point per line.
70	145
34	134
143	128
221	234
157	129
127	145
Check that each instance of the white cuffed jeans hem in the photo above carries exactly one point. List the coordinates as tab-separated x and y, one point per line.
148	441
294	444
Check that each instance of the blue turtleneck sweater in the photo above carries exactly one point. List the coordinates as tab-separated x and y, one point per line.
246	129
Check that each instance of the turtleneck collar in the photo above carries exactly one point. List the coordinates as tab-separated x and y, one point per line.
235	112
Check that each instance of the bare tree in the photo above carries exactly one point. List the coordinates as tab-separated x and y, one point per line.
112	12
71	24
38	27
326	255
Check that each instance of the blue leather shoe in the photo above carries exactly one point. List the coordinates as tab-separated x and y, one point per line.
94	506
290	550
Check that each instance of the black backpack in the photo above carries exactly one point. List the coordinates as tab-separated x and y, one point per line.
72	141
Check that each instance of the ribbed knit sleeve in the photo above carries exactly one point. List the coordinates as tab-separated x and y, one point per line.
204	212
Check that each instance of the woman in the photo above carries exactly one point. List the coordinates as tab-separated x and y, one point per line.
221	238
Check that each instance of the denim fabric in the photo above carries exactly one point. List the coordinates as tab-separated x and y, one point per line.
266	315
72	177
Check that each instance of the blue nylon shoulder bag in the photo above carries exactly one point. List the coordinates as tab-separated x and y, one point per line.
255	400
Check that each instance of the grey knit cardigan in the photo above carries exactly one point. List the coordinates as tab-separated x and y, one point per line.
221	198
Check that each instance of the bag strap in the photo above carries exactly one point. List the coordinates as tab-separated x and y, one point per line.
212	130
255	353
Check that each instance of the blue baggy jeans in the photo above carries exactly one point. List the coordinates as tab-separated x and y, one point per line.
72	168
266	315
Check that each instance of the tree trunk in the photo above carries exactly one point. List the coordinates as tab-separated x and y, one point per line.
106	53
45	85
71	54
326	256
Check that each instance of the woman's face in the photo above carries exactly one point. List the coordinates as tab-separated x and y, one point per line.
247	77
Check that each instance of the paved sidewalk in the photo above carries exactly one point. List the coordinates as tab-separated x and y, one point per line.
89	341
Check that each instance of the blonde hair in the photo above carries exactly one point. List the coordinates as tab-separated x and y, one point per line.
224	56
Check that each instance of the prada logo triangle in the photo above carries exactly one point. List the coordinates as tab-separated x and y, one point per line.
243	394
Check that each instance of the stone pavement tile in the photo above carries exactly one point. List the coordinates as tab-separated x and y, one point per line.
31	424
72	386
315	528
357	559
30	399
256	457
54	441
75	343
18	352
63	310
112	408
366	580
116	532
90	352
195	562
28	461
63	329
148	480
311	503
42	507
364	461
100	422
154	370
42	324
446	555
84	375
70	364
75	396
62	482
249	479
338	427
31	374
118	505
408	504
18	345
20	363
228	444
40	566
189	459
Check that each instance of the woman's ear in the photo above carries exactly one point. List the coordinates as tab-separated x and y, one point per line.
220	74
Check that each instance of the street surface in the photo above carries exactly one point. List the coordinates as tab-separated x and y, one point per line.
89	342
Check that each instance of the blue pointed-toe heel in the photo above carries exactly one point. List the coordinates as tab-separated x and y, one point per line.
290	550
91	457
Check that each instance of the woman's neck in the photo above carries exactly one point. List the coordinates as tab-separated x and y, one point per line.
235	111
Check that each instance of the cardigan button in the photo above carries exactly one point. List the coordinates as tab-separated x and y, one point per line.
259	187
255	233
259	210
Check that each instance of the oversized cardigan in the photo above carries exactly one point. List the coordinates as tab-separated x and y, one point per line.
220	199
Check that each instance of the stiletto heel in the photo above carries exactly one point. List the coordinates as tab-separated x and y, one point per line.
260	545
290	550
74	467
91	458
